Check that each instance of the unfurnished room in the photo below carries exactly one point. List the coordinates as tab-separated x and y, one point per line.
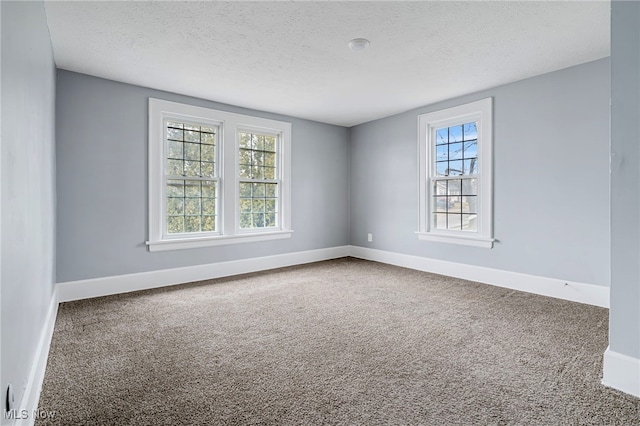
320	212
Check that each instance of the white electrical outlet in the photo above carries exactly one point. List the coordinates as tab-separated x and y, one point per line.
369	237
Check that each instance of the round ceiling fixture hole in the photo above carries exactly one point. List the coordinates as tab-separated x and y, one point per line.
358	44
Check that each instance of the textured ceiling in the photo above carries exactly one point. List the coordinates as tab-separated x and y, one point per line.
292	57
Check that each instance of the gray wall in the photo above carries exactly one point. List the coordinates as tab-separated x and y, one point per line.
101	153
624	324
551	174
28	187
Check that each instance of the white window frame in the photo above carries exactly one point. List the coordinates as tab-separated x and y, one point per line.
227	152
481	112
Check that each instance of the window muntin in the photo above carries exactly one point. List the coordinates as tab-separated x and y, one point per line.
200	182
455	183
258	180
191	181
455	168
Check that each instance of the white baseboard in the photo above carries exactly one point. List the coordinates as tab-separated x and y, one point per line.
576	292
96	287
621	372
29	404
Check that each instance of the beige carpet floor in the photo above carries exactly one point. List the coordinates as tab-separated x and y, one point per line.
342	342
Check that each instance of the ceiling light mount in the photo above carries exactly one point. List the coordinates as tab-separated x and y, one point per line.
358	44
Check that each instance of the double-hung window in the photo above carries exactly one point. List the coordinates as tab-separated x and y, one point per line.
455	163
216	177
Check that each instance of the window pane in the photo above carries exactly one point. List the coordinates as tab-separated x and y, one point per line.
258	220
246	221
257	172
208	223
269	173
175	188
258	189
470	131
454	187
192	188
192	223
192	136
455	134
175	167
470	186
208	206
209	189
244	171
175	134
471	149
440	221
442	136
440	187
192	151
258	158
442	152
455	151
440	204
270	205
175	206
245	189
175	224
191	168
175	149
455	204
470	222
207	153
469	204
270	143
192	206
270	220
455	168
442	168
258	142
208	138
270	159
454	221
207	170
271	190
245	205
258	205
471	166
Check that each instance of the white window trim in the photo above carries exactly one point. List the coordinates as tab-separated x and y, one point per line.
481	111
227	155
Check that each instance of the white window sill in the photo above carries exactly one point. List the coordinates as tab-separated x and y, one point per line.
218	240
457	239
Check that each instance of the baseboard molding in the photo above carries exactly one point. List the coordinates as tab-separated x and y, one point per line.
621	372
96	287
29	404
576	292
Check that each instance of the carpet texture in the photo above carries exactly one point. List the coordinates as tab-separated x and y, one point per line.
338	342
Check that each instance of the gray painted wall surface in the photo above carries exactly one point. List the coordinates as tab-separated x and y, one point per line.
28	187
624	324
551	174
102	183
